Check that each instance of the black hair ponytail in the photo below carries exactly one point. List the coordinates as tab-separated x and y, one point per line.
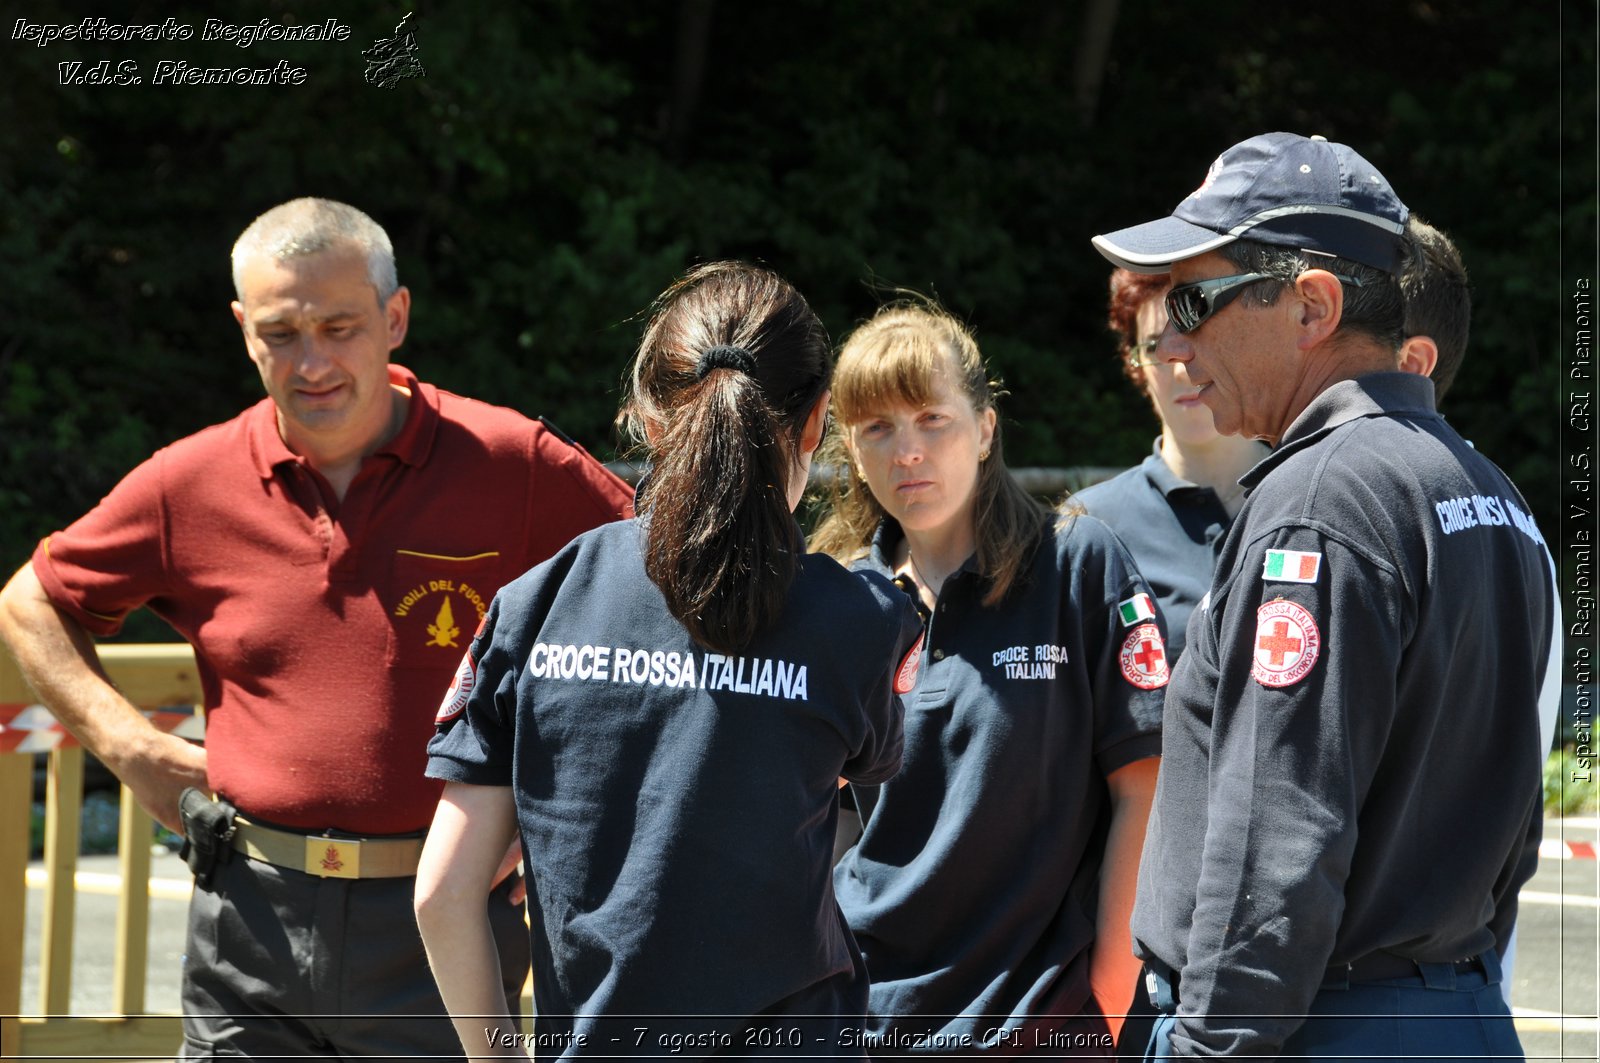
731	364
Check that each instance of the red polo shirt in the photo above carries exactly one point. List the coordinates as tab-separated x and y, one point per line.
326	631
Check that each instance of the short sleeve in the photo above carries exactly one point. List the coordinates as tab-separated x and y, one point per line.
879	757
1126	635
476	722
111	560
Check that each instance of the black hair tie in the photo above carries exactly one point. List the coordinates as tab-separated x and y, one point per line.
725	356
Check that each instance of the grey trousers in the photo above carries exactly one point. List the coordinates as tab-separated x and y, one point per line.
283	965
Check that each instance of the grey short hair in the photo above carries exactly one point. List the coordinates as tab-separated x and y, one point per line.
310	226
1375	306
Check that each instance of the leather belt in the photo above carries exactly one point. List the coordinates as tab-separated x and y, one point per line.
1383	966
327	856
1162	982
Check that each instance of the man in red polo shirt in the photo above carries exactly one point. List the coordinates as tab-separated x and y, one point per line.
328	553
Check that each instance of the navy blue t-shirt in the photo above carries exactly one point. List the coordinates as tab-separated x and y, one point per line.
678	806
974	886
1173	528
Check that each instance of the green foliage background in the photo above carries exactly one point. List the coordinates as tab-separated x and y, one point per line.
545	180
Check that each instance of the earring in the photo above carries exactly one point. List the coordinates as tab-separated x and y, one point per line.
983	455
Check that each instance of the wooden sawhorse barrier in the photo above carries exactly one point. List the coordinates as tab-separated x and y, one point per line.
154	677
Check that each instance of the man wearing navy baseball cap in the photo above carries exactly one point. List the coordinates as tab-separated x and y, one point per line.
1363	675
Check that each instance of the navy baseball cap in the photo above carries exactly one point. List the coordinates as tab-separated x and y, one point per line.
1281	189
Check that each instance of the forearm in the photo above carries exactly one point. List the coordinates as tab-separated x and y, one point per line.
465	846
58	659
466	964
1113	968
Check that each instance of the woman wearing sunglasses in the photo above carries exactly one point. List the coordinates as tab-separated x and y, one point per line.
1173	510
992	884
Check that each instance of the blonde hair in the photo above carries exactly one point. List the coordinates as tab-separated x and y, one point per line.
895	357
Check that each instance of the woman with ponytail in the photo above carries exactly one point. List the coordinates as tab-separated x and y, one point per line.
663	710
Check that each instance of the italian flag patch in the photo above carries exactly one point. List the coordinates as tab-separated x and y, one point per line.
1292	566
1135	609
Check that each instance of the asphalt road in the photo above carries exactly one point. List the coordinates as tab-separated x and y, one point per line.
1555	992
1554	986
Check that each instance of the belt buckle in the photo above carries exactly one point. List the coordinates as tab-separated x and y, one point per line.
333	857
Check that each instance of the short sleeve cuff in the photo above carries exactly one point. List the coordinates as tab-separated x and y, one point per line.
1127	751
452	769
97	624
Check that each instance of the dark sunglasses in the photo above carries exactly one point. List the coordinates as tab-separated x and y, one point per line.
1188	305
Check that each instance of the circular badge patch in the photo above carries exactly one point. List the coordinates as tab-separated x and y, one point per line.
1144	658
905	677
455	699
1287	643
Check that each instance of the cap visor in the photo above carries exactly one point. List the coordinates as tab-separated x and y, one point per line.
1154	246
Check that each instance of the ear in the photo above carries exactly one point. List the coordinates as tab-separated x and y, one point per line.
398	316
816	424
1321	306
986	422
1419	354
249	348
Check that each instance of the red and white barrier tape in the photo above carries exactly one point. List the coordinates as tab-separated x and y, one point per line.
32	728
1552	849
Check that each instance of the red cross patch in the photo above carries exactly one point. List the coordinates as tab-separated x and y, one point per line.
1144	658
455	699
905	677
1287	643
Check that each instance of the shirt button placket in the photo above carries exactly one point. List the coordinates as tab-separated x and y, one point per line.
941	606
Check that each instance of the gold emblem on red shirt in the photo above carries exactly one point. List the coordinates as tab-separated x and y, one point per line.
443	629
426	616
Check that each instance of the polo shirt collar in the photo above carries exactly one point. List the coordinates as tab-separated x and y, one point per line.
411	445
884	541
1373	395
1161	476
887	537
414	442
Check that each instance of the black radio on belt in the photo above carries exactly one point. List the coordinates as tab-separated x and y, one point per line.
207	834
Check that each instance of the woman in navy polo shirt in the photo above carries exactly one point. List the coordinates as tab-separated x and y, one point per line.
664	710
1173	510
991	886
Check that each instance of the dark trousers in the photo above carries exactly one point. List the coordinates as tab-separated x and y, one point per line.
1439	1014
281	964
1135	1035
